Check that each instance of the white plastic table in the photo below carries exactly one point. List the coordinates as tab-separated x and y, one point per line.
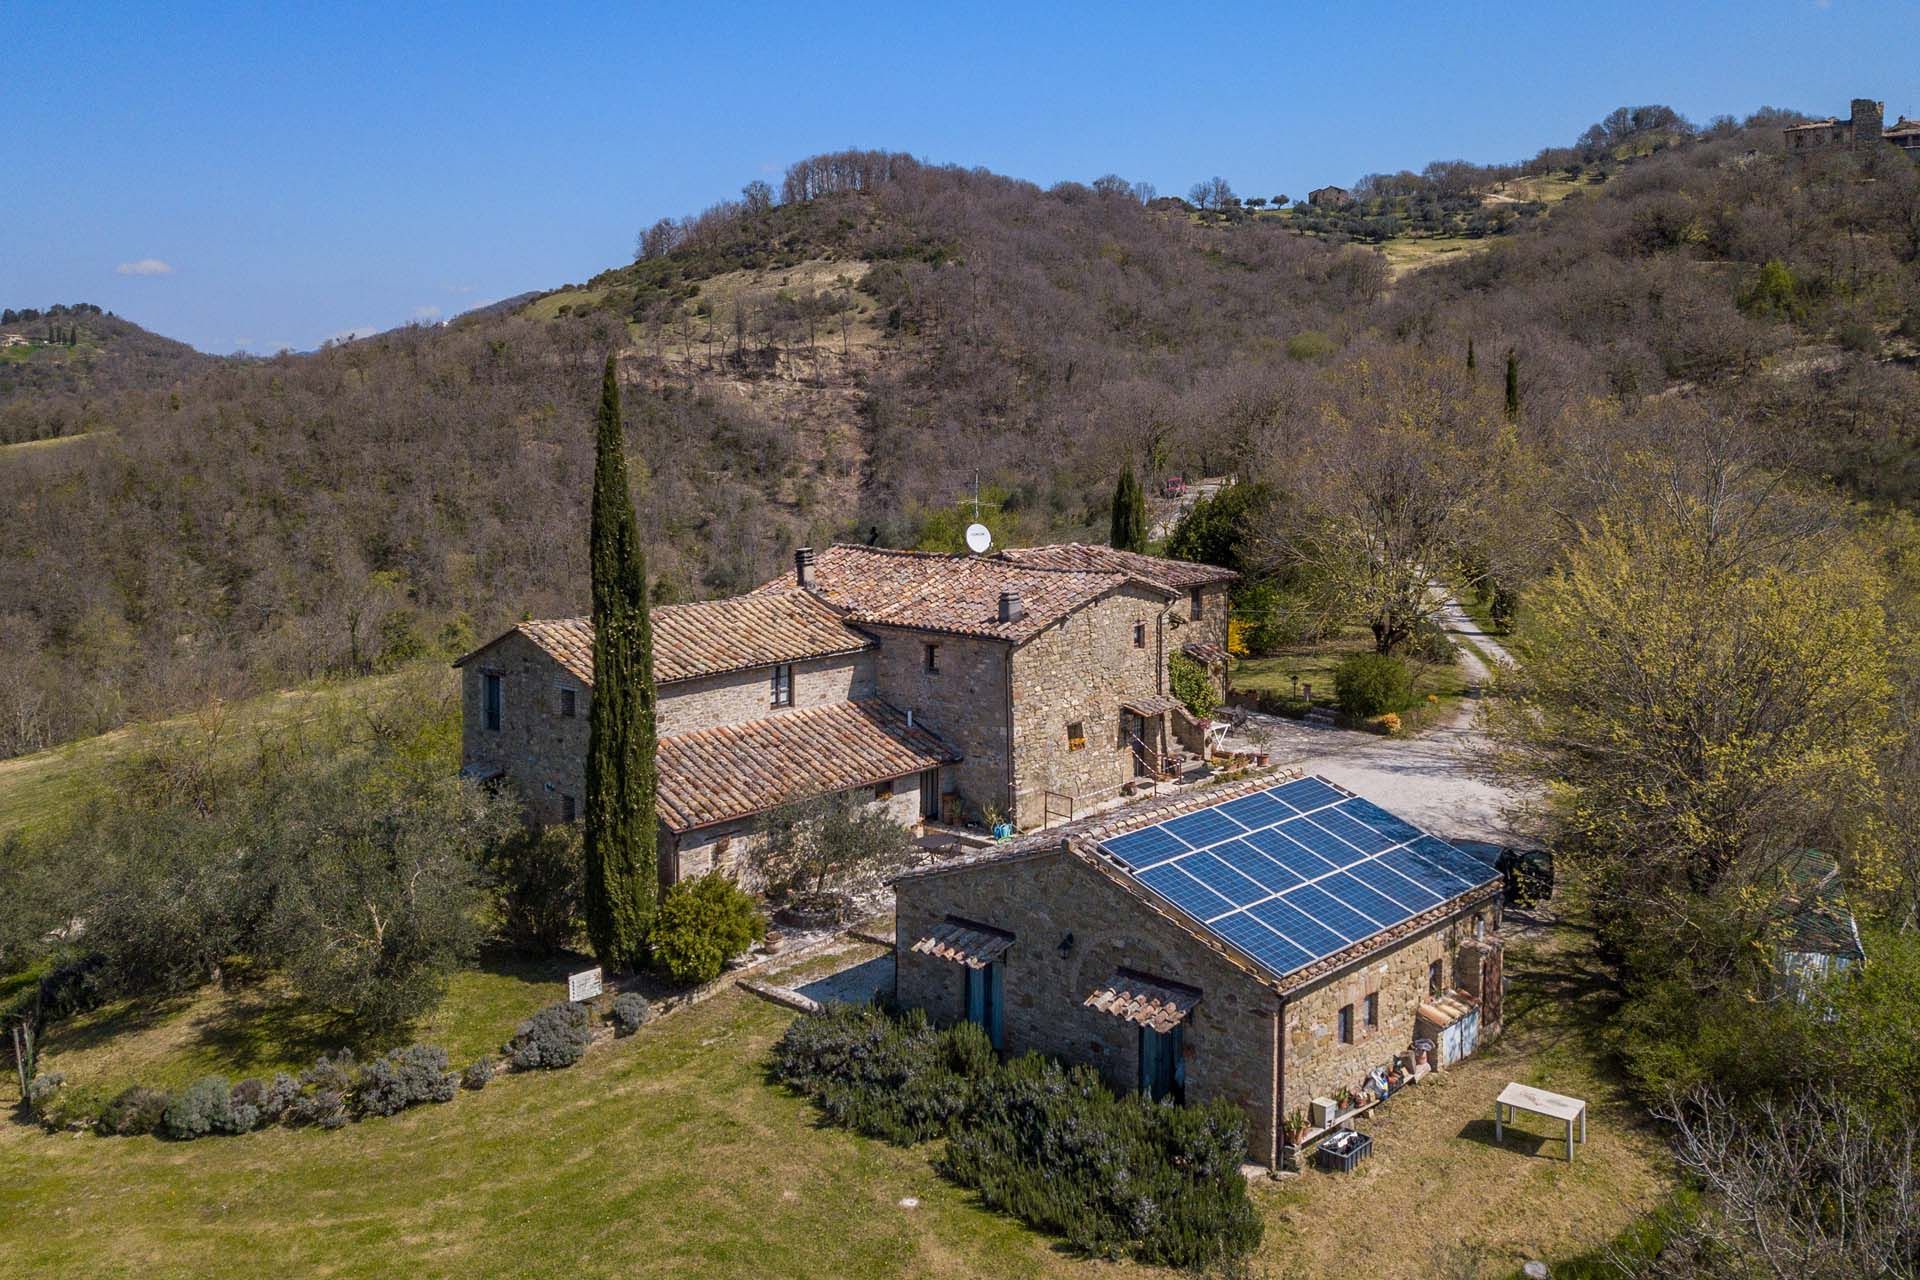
1555	1106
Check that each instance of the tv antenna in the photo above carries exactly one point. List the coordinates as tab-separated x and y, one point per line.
979	537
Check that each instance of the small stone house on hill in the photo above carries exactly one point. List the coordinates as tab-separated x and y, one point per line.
938	685
1270	943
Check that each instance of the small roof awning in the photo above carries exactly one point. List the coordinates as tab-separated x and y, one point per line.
1144	1001
1158	704
1204	651
1443	1011
973	945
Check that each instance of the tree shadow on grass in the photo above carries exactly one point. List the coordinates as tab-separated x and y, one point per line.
535	968
266	1029
120	1018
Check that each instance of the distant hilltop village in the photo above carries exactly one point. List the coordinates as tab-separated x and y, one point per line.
1866	123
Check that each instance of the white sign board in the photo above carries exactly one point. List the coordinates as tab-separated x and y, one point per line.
584	986
978	538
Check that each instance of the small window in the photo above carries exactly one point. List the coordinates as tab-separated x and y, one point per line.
568	704
883	790
783	685
1371	1007
1346	1024
1435	973
491	696
933	657
1139	635
1076	736
1199	609
569	810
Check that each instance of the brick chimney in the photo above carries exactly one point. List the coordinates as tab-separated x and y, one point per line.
803	567
1011	610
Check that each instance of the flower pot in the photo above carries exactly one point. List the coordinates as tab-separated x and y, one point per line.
1262	758
1003	831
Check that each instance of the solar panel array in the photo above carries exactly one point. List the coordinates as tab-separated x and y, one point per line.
1297	872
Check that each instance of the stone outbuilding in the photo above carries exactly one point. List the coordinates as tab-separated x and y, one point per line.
1330	198
1272	943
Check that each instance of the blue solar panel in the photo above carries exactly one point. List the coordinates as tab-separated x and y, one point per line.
1209	826
1260	942
1298	927
1365	838
1307	794
1249	861
1331	912
1377	875
1184	892
1289	853
1464	865
1143	848
1441	882
1222	879
1257	810
1336	851
1382	821
1363	898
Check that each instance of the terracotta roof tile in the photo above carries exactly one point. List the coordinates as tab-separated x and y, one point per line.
973	945
712	775
711	637
956	594
1144	1001
1176	575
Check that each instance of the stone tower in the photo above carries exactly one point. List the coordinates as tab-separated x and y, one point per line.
1869	119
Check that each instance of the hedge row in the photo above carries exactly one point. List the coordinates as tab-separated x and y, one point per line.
1052	1145
327	1094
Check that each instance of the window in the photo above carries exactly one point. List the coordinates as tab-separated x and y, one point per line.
1434	976
1139	635
568	703
1199	599
983	1000
1076	736
783	685
568	809
491	696
1371	1007
1346	1024
1163	1073
933	657
883	790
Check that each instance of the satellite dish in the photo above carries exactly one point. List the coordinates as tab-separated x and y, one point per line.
978	539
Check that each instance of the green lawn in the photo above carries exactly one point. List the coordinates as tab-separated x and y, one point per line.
670	1154
1313	664
38	792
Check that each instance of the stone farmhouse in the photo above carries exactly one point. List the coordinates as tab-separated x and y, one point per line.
1276	943
1027	686
1864	127
1330	198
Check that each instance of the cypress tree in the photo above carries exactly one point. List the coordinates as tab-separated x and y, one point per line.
1513	384
620	855
1128	531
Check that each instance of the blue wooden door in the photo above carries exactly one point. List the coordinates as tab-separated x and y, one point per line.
1162	1074
983	1001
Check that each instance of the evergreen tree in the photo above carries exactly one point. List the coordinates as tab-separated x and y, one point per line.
1471	366
1513	384
620	857
1129	527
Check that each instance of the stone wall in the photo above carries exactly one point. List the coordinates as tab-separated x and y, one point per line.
542	753
964	701
1316	1063
1230	1045
725	845
739	696
1079	671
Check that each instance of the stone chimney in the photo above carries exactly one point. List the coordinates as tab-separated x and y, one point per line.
803	567
1011	610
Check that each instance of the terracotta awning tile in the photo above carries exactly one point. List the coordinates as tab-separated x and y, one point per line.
973	945
1144	1001
1156	705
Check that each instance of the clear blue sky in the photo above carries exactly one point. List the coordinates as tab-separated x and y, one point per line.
299	171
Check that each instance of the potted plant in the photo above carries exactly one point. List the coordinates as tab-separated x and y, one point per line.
1296	1128
1262	739
996	821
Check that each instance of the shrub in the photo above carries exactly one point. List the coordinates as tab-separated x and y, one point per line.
538	871
1430	643
478	1074
1193	686
1371	684
896	1079
403	1078
203	1107
134	1112
324	1089
279	1099
41	1088
554	1037
245	1100
827	847
700	925
630	1009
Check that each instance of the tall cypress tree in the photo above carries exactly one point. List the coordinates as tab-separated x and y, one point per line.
1513	384
1128	530
621	859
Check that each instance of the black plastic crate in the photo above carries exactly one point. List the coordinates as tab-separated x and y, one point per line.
1342	1151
